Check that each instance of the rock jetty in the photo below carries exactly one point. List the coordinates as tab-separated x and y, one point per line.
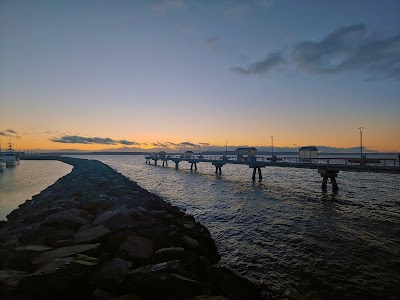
95	234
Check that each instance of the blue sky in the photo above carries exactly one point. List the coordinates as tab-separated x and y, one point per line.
306	72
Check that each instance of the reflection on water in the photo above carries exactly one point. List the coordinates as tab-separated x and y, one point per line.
20	183
285	231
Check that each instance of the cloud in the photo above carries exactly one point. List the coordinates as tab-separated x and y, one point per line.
159	144
271	62
125	142
3	133
350	48
188	144
11	131
75	139
204	144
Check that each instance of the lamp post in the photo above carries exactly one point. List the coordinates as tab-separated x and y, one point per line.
272	146
361	146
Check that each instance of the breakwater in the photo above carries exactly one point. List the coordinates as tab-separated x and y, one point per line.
96	234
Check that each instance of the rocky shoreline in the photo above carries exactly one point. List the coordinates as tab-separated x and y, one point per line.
95	234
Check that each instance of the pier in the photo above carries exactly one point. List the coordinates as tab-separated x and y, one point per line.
328	168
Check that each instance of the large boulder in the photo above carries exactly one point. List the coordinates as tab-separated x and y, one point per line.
48	256
112	273
114	219
91	235
136	247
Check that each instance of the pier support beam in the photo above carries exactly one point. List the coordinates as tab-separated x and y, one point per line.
166	163
218	168
195	166
329	174
255	170
177	165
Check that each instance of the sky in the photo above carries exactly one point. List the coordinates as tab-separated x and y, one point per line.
129	75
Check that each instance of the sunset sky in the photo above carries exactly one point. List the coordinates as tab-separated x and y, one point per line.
140	74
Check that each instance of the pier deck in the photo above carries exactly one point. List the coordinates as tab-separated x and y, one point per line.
328	168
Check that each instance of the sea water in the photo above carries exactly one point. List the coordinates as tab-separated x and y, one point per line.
30	177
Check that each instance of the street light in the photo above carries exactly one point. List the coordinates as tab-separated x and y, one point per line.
272	145
361	147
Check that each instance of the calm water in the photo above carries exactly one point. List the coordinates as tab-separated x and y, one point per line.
20	183
285	231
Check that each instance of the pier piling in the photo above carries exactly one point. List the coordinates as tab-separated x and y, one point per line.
329	174
255	170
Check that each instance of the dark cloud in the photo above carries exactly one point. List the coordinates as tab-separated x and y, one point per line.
48	132
3	133
351	48
271	62
125	142
11	131
74	139
159	144
188	144
204	144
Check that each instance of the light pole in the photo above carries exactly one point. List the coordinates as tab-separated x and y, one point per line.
361	147
272	145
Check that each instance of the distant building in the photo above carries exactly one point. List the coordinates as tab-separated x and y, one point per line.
307	154
246	154
162	154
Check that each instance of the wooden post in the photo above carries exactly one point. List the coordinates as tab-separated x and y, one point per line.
254	174
259	173
176	165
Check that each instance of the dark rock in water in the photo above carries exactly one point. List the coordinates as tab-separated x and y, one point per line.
110	239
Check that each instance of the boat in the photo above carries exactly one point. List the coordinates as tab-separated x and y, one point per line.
3	165
9	157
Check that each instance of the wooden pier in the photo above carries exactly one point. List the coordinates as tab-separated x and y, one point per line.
328	168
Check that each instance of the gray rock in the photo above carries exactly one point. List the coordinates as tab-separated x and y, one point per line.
62	252
113	219
66	219
113	272
91	235
191	243
10	278
136	247
166	254
102	202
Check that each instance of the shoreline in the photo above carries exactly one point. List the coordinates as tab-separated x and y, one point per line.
96	234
